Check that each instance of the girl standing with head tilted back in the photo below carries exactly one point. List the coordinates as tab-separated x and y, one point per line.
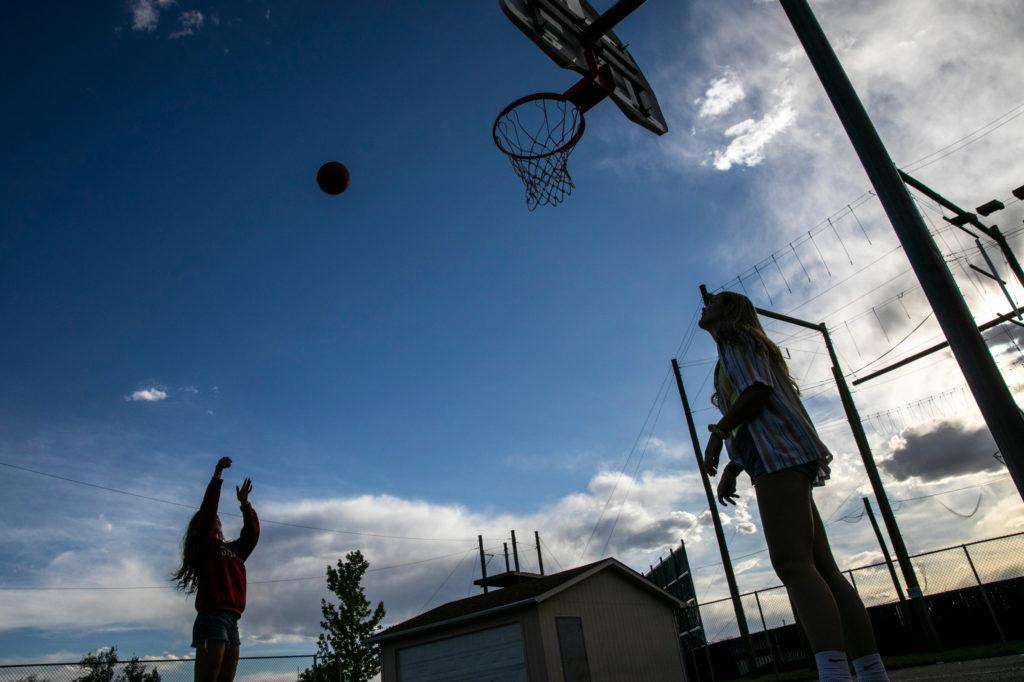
215	571
769	435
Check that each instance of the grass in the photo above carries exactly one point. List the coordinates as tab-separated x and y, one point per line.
969	653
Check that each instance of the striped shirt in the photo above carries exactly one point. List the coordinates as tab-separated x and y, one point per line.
782	431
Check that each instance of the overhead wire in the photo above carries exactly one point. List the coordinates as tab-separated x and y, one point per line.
636	471
58	588
193	507
625	464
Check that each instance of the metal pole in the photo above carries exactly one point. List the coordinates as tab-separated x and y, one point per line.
852	581
992	233
515	551
984	595
917	602
540	559
608	20
1005	420
999	280
723	549
505	545
483	563
885	549
764	628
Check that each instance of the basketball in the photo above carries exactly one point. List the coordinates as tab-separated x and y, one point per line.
332	177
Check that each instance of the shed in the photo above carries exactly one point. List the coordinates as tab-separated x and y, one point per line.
602	622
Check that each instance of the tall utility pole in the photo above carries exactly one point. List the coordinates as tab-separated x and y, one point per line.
1005	420
730	577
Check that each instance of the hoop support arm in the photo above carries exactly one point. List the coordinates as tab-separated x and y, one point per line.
593	87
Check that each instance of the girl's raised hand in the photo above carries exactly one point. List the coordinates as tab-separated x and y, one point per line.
243	492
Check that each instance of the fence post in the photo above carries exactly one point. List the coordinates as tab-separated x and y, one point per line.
767	635
984	595
852	581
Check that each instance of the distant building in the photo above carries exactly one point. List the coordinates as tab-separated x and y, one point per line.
673	575
602	622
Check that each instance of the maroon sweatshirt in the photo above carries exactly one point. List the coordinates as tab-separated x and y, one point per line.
222	572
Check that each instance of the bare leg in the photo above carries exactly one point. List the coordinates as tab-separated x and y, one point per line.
860	637
784	500
209	657
227	670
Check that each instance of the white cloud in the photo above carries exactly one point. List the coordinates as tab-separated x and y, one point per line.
189	22
148	395
721	95
145	14
750	137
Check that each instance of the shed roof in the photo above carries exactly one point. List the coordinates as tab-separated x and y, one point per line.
514	597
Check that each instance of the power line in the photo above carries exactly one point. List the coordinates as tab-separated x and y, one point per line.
59	588
443	582
828	223
192	507
636	471
551	554
968	139
622	471
895	345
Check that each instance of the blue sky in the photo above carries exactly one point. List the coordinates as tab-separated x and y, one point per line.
420	356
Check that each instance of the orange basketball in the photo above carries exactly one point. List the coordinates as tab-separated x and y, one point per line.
332	177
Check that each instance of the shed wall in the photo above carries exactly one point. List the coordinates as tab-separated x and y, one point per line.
630	634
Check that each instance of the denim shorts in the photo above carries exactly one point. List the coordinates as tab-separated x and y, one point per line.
219	625
744	452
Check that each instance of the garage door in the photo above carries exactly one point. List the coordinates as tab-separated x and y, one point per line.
491	655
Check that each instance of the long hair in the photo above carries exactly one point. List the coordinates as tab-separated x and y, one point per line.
193	546
739	325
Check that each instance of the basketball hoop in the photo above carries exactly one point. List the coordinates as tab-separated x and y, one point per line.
538	132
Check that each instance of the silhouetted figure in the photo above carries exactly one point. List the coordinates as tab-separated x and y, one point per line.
770	436
215	571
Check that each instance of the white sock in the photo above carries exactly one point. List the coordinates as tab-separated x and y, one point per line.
870	669
832	666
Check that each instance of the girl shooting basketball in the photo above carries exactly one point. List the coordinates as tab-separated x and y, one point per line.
769	435
215	571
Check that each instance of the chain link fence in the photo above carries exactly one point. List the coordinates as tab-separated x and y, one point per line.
250	669
950	569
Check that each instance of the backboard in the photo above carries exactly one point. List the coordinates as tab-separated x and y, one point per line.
559	27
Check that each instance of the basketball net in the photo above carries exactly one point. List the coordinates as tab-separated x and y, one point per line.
538	132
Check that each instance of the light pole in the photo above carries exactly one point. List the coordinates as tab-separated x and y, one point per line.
1005	420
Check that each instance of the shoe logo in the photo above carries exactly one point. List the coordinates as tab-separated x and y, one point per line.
835	660
870	666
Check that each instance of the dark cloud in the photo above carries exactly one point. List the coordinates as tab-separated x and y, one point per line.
942	449
633	531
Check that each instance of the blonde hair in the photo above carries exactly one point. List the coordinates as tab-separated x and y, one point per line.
739	325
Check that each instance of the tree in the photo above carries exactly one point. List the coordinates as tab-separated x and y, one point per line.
104	662
346	627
